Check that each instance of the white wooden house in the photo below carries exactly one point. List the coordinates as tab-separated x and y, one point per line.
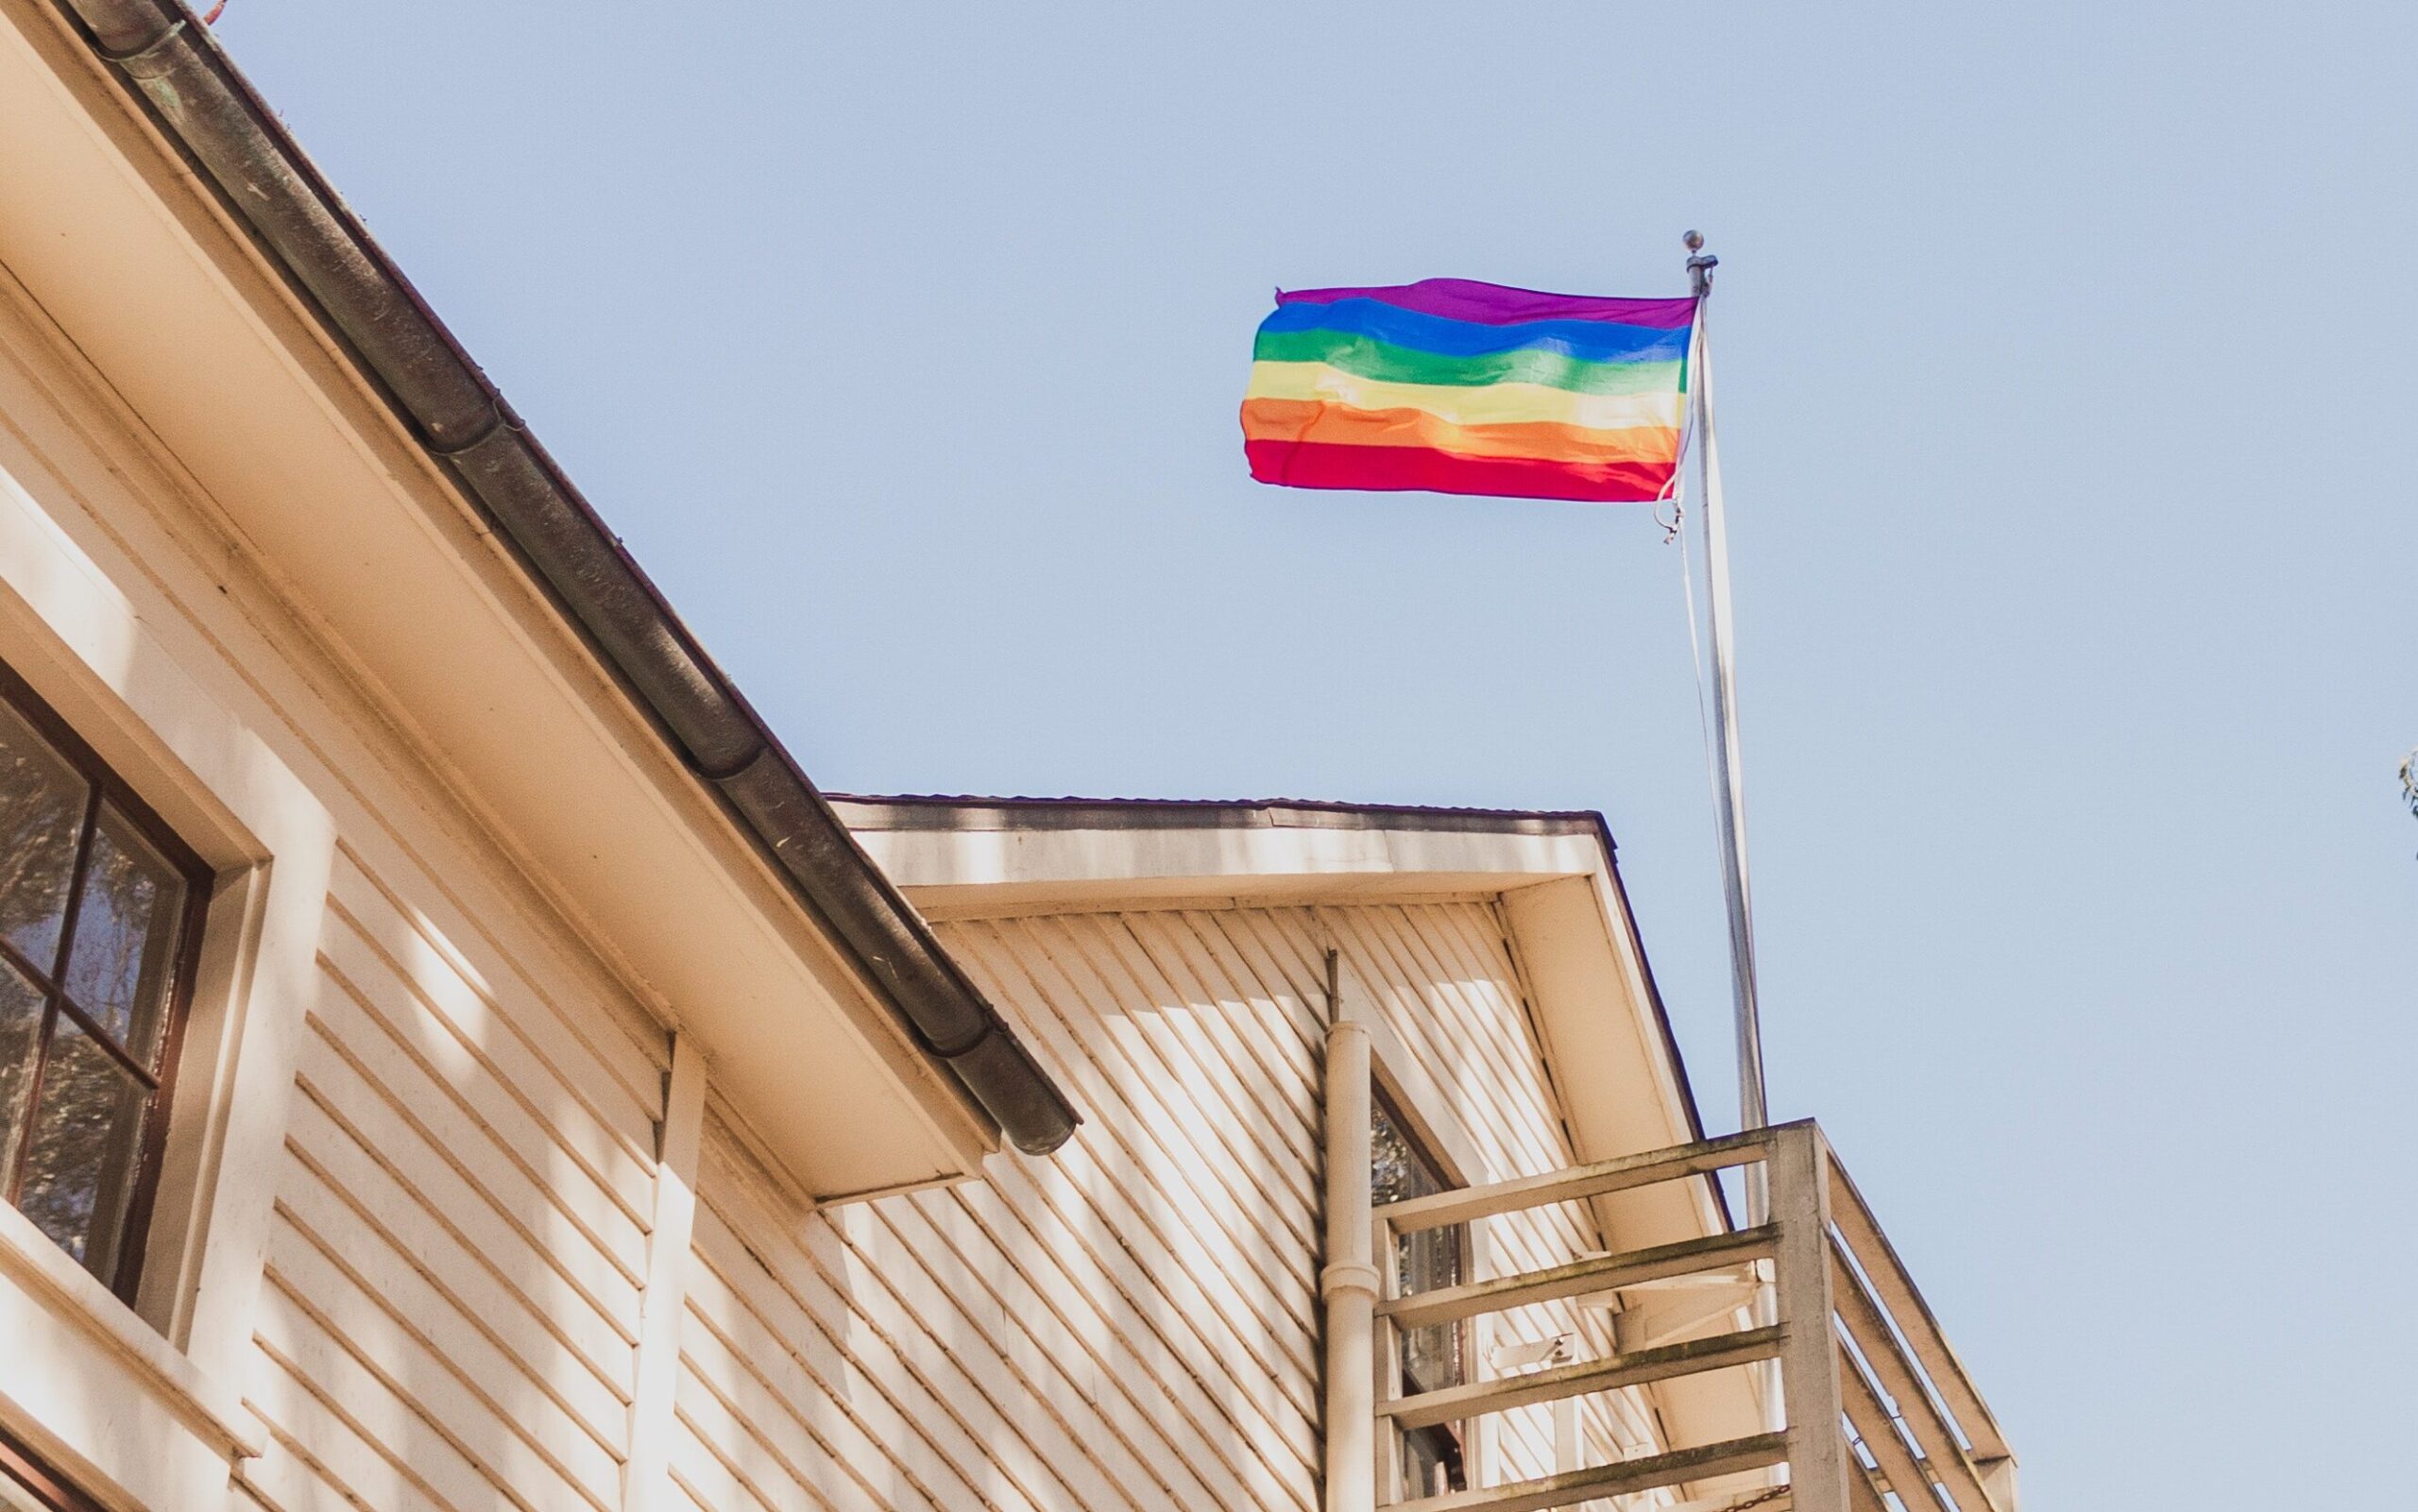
1392	1192
452	1059
1182	967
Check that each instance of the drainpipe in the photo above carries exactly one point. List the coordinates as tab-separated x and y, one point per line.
264	181
1349	1282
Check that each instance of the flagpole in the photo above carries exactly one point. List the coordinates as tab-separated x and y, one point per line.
1728	787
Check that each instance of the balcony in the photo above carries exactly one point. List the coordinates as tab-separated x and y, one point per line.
1866	1408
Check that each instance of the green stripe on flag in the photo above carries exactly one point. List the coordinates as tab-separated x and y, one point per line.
1367	358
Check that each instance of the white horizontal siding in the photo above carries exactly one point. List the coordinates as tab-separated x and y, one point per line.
450	1305
454	1284
1444	982
1133	1322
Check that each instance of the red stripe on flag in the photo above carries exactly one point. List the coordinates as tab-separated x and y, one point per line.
1318	465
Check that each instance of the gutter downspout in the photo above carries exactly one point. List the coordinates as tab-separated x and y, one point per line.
197	95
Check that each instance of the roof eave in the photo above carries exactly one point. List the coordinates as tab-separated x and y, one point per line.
1028	815
178	78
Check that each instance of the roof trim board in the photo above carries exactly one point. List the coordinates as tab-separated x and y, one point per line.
966	858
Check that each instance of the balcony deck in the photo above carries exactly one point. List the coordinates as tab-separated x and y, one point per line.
1868	1408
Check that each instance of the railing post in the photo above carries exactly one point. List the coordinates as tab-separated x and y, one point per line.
1818	1447
1349	1281
1385	1357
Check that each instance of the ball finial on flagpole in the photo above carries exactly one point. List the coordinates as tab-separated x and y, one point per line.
1700	265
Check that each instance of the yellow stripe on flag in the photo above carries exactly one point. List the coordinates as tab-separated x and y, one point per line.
1494	405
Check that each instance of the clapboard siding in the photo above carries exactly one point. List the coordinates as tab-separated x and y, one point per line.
1446	985
450	1306
1132	1323
561	1052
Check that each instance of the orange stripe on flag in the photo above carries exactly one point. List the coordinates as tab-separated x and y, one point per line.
1330	424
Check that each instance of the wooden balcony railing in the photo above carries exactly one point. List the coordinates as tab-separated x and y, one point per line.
1873	1412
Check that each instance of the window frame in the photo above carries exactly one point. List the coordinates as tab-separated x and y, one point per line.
184	967
1384	1103
33	1476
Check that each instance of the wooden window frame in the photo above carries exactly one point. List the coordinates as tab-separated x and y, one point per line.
107	785
20	1465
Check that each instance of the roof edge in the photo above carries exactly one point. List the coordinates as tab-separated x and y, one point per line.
948	812
926	812
177	76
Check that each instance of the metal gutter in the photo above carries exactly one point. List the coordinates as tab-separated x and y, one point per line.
198	97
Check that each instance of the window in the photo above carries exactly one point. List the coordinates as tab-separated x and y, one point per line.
1437	1356
99	920
27	1484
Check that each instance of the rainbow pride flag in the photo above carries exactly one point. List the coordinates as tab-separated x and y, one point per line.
1469	388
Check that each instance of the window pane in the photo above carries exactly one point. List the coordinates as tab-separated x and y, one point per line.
1424	1260
1431	1462
87	1139
20	1036
42	807
1396	1171
126	936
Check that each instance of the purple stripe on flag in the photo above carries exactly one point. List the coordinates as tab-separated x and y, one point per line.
1492	304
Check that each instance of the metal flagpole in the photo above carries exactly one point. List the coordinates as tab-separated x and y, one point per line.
1728	787
1729	794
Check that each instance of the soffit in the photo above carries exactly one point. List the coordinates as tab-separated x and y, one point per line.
1551	874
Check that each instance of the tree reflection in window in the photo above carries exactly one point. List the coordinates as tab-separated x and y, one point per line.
95	935
1436	1356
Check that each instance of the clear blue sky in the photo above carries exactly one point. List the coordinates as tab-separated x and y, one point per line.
2064	359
